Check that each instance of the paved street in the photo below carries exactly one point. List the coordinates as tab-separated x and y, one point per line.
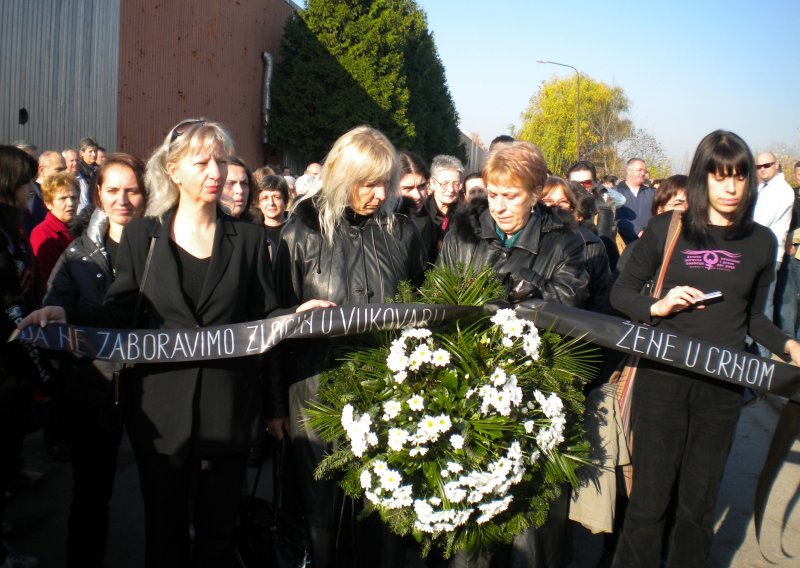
38	513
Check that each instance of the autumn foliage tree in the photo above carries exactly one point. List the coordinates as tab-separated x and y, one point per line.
608	137
350	62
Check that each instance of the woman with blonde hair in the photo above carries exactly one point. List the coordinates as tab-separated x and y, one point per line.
343	244
191	424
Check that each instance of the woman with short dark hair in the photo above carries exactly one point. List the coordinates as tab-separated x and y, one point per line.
90	389
683	422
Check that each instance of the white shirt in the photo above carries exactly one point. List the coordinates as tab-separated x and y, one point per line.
774	209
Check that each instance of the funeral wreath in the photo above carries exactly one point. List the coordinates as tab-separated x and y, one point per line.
461	435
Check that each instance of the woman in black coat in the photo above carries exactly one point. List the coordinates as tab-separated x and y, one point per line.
18	368
191	424
342	243
537	254
81	277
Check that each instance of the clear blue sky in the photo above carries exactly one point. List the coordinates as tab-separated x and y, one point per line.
687	67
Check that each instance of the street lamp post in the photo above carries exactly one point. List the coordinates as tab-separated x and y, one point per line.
578	117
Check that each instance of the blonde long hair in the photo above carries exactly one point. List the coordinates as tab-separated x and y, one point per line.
188	137
360	157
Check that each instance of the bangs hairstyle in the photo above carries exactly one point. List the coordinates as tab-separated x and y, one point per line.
667	190
123	160
190	137
555	182
56	183
360	157
516	164
719	153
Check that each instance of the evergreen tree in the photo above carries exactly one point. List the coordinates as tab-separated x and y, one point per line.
351	62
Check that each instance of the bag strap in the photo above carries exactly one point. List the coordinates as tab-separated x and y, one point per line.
137	310
673	233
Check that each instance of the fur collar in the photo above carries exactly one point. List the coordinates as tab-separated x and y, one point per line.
467	220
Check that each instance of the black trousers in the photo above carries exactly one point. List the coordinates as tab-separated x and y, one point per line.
15	409
209	488
683	429
95	445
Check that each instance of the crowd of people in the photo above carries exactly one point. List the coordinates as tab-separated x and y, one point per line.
196	237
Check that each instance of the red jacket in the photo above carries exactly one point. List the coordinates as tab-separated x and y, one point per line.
48	240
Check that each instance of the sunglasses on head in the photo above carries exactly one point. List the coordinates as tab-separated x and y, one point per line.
764	166
183	127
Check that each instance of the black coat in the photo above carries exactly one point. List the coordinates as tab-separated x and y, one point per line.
81	278
547	260
207	407
598	267
368	259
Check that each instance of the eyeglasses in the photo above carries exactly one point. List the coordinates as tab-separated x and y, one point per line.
764	166
456	185
183	126
587	183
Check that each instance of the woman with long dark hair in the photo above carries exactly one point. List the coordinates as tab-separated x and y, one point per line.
684	423
17	373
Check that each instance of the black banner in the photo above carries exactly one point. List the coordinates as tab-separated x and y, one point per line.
251	338
672	349
237	340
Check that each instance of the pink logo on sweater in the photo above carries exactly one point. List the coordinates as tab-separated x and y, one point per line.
711	259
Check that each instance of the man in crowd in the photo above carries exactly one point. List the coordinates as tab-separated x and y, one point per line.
774	211
313	169
49	163
72	158
788	287
87	166
634	214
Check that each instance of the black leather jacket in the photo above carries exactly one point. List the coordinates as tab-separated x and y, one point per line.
547	260
367	261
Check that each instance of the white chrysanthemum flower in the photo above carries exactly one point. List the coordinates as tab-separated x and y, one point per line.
366	479
400	377
397	362
435	501
390	480
507	342
454	492
498	377
454	467
391	408
416	403
372	439
443	423
457	441
531	343
528	426
397	438
535	455
416	333
492	509
514	328
421	353
379	467
440	358
503	316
